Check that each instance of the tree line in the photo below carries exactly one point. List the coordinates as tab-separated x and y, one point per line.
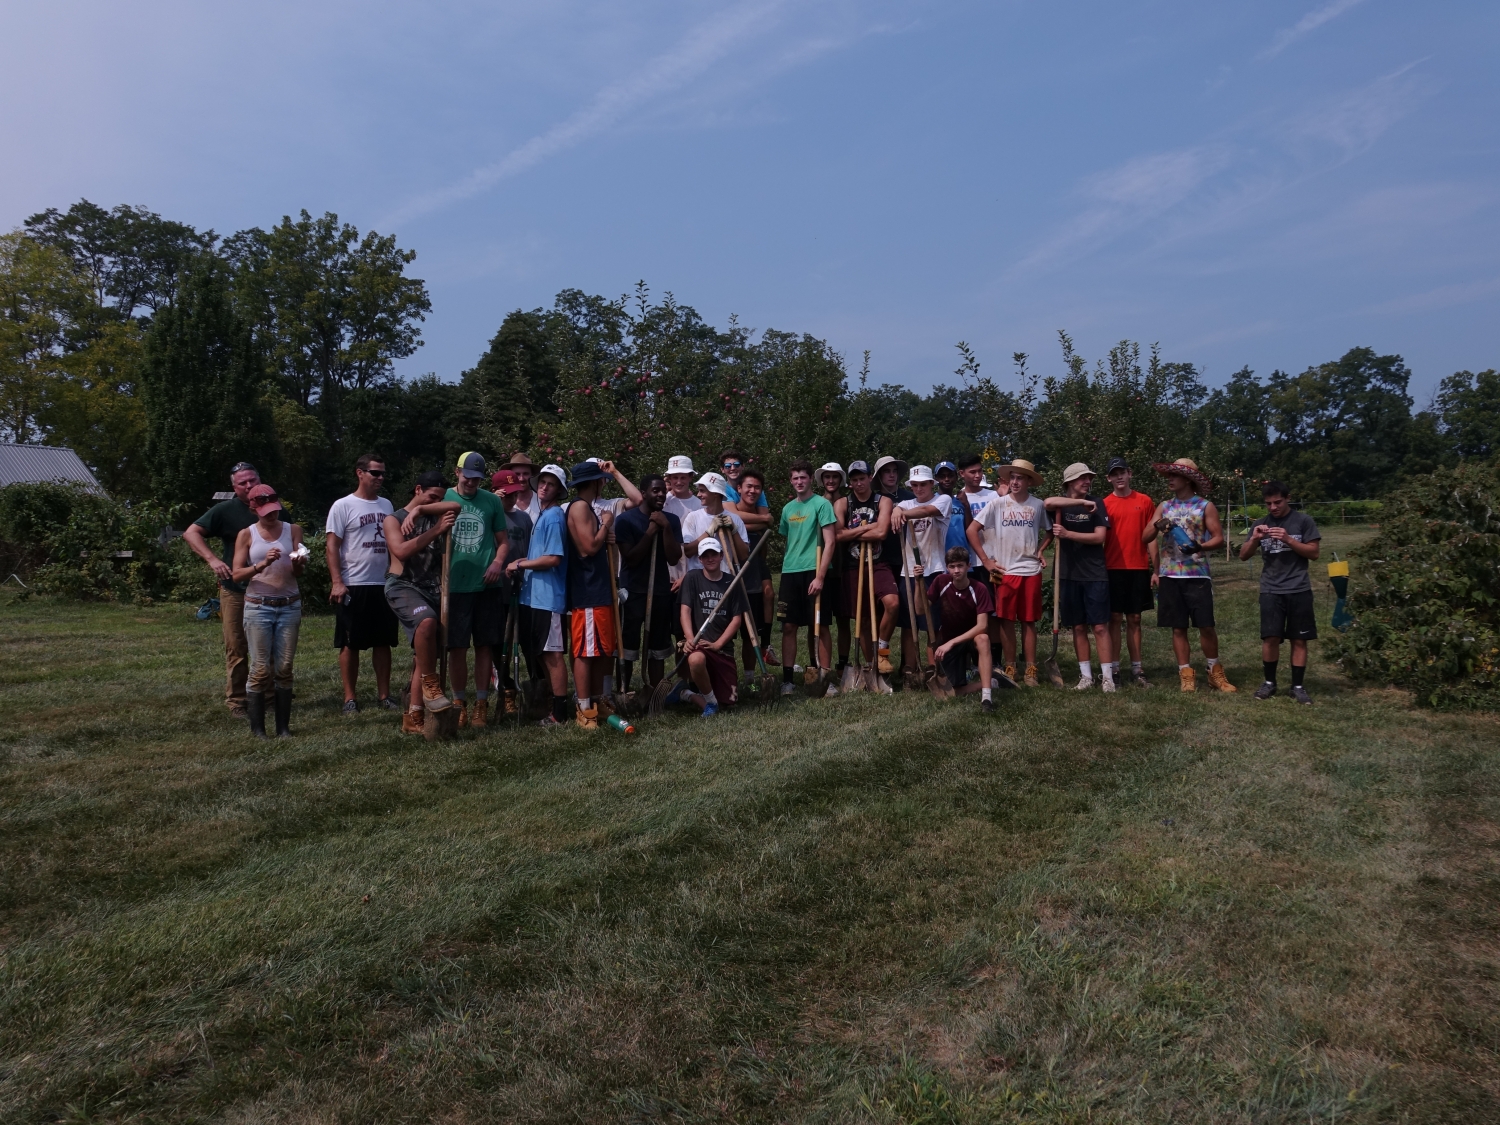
163	354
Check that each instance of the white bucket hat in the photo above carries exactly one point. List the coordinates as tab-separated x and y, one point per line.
679	464
714	483
833	467
920	473
557	471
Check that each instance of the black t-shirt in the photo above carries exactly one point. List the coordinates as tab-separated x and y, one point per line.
706	598
424	569
630	528
518	535
1083	562
861	513
224	521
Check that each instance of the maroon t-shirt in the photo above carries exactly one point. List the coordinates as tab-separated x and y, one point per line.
960	609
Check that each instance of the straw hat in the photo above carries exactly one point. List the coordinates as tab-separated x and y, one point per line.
1186	468
1025	468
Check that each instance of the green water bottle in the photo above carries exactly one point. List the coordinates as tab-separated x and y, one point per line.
620	725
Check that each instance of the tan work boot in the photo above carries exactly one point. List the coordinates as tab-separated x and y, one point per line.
1218	680
480	715
1188	678
412	722
886	667
1031	680
1010	672
604	707
589	720
432	694
512	704
463	713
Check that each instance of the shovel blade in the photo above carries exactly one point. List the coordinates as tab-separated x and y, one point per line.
854	679
819	687
1054	674
875	682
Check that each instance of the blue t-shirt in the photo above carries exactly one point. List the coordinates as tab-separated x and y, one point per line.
956	536
734	496
547	589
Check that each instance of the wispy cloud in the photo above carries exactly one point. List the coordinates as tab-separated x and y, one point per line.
1355	121
1444	296
700	49
1307	24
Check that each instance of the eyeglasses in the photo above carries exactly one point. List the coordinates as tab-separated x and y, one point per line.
373	472
732	464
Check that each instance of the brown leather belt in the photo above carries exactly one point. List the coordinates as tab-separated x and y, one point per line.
253	599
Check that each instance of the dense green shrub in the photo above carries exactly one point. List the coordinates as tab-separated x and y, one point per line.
1426	592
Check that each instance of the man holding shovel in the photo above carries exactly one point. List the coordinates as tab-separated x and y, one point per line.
866	518
650	542
759	594
476	602
924	521
1008	537
544	595
807	526
413	585
832	479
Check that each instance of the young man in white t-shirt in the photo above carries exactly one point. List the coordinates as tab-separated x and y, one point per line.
682	501
354	543
922	523
1008	538
711	520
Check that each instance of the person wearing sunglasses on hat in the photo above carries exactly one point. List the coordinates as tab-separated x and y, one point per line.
268	559
224	522
732	464
354	542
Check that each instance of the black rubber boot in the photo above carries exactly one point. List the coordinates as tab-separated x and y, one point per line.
255	710
283	712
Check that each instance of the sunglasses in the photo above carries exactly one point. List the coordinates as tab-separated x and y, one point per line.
373	472
263	499
732	464
243	467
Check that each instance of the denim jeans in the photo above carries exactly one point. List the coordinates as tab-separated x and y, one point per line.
272	633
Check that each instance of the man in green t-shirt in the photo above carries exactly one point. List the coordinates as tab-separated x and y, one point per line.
807	524
476	603
224	522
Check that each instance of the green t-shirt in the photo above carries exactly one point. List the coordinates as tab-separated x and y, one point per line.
802	524
479	518
224	521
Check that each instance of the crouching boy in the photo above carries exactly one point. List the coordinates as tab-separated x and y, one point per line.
710	666
965	612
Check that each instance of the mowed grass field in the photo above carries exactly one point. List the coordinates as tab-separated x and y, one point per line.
1146	907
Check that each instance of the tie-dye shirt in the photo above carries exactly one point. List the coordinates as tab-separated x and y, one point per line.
1189	516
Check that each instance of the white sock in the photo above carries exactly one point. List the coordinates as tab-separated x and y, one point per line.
583	703
1109	674
985	693
1085	671
886	645
1211	662
711	699
1180	667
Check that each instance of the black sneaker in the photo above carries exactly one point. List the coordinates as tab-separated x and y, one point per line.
1299	693
388	704
351	708
987	706
1139	679
1266	690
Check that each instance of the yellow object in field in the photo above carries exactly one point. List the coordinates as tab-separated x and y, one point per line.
1338	570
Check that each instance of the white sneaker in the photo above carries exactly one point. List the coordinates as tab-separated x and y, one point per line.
1108	686
831	691
1084	685
787	689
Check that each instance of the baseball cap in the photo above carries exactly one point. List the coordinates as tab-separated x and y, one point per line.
506	482
941	465
859	467
1116	463
679	464
1075	470
432	478
263	498
471	465
920	473
710	544
558	472
714	483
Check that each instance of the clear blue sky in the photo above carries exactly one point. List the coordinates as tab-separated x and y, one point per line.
1263	184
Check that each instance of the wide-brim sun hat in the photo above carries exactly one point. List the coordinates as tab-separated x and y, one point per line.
557	472
920	473
520	459
1022	466
586	472
679	464
714	483
1186	468
886	462
834	467
1077	469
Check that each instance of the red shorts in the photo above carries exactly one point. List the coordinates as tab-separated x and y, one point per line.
723	678
1019	598
593	631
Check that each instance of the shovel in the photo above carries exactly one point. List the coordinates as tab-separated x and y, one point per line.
818	677
854	671
622	701
933	678
1053	672
662	690
874	680
646	628
444	723
765	683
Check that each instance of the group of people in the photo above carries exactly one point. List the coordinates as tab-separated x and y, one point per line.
674	570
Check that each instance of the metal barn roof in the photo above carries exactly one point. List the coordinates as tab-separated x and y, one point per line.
32	464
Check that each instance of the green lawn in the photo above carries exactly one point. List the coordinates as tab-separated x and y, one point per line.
1146	907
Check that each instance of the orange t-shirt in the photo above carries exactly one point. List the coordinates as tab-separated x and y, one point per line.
1128	517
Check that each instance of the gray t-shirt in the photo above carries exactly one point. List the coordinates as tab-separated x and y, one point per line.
1285	571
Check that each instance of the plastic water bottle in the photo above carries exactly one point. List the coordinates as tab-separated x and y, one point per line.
620	724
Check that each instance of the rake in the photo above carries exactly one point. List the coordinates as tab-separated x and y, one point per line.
1054	673
765	683
659	695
